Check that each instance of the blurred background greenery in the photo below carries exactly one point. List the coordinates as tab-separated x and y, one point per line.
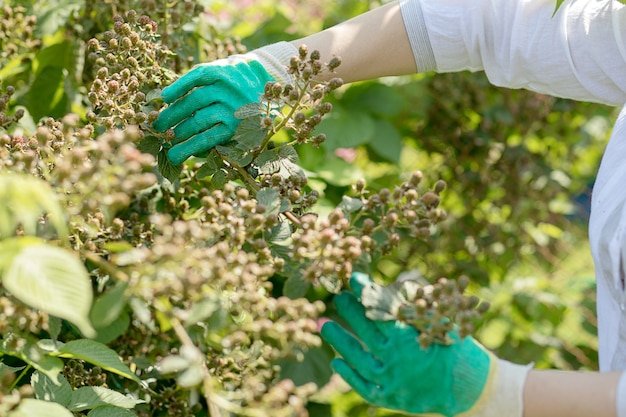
519	168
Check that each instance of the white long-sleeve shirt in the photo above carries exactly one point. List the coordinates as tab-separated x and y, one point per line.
579	53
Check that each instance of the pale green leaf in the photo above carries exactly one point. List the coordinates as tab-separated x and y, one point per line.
109	305
59	391
86	398
250	110
35	356
270	198
97	354
110	411
30	408
53	280
202	310
296	286
24	200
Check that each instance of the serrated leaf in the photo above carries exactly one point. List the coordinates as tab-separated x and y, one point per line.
270	160
97	354
250	110
204	171
249	133
36	357
168	170
110	411
219	179
24	199
281	231
296	286
50	279
85	398
59	391
150	145
29	407
270	198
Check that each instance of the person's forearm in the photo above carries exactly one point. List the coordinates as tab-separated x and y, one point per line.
553	393
374	44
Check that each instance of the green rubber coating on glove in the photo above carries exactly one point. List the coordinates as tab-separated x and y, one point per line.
384	363
202	105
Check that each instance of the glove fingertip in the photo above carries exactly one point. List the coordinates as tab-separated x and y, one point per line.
358	281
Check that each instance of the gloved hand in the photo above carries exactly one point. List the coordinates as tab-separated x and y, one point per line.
385	364
202	102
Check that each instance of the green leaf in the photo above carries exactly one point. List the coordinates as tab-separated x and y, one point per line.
86	398
54	15
50	279
270	198
35	356
30	407
24	199
296	286
281	231
338	172
59	392
47	95
387	141
219	179
97	354
350	204
202	310
150	144
558	5
168	170
113	330
312	365
110	411
249	133
250	110
347	129
109	305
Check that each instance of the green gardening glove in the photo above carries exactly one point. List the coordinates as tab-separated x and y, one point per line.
202	103
384	363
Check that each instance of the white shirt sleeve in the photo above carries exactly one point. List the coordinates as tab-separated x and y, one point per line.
577	53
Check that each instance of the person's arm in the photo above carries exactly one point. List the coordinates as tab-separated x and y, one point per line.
577	53
551	393
371	45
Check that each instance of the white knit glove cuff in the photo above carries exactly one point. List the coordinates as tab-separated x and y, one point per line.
504	391
275	59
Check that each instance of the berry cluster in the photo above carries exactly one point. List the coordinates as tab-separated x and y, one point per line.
129	63
433	309
7	120
16	33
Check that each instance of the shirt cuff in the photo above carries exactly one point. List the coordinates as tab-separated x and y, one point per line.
418	35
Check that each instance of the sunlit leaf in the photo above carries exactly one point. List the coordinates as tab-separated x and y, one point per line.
249	133
59	391
96	354
250	110
110	411
50	279
270	198
85	398
29	407
109	305
36	357
24	200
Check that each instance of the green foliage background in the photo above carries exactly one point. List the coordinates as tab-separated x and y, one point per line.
517	164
